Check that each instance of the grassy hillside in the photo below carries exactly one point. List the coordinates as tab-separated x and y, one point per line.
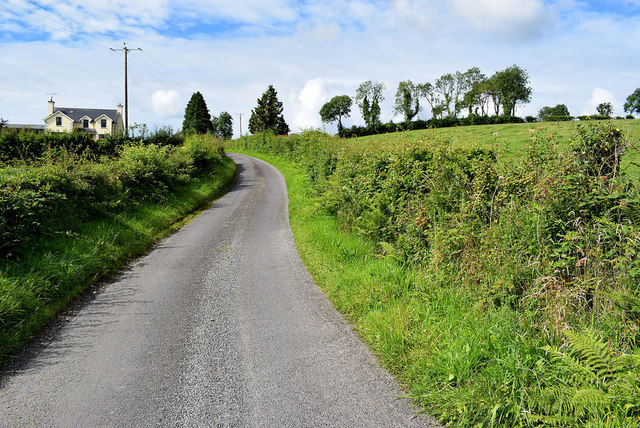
511	137
502	288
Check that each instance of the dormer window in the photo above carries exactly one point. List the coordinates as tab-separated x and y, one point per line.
58	121
103	123
85	123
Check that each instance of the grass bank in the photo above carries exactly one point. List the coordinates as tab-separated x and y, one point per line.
500	293
62	262
514	136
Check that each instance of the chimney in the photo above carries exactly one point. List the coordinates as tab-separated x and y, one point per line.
51	105
120	109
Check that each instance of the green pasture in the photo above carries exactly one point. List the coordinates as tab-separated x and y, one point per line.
512	137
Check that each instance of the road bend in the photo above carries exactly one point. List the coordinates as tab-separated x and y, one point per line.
220	325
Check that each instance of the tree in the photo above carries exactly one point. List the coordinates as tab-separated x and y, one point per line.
197	119
492	89
408	100
632	105
2	123
268	114
547	113
368	98
428	92
605	109
334	110
445	86
223	126
474	97
510	85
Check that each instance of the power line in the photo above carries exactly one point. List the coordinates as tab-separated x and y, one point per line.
79	32
62	22
26	10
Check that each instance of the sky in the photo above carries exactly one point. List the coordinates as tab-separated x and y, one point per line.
577	53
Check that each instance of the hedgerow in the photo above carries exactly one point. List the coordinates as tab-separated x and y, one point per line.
536	249
42	196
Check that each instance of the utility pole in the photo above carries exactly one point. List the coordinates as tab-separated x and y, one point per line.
126	50
240	114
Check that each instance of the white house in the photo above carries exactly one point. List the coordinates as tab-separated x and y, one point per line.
98	122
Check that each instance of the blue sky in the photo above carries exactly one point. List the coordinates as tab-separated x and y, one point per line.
578	53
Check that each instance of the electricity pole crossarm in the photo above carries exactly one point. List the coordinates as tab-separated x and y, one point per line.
126	50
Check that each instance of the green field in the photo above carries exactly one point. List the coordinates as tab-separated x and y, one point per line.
512	137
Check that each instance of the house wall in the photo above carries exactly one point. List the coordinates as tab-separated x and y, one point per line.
109	129
66	126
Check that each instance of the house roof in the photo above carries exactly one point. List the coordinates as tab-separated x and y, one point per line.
24	126
76	114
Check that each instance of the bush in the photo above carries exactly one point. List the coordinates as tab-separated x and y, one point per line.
39	199
598	150
558	118
26	146
164	137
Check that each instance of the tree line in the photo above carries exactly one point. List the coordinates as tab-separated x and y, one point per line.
484	99
447	97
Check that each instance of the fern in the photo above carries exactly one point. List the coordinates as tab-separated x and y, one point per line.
598	388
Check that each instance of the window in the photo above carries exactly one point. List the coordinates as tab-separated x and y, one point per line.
58	121
85	123
103	123
100	136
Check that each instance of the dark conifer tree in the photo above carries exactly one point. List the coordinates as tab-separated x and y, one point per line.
268	114
197	119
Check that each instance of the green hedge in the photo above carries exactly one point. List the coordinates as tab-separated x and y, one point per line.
37	199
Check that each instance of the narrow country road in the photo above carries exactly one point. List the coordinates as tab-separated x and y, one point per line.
221	325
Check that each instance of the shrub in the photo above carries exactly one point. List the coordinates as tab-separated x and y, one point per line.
41	198
598	150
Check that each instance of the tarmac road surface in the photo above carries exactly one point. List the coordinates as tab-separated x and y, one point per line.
220	325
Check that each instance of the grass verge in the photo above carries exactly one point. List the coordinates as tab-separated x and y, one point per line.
60	267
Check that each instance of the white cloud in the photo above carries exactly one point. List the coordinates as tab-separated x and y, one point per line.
325	32
166	104
310	100
415	13
598	96
520	19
